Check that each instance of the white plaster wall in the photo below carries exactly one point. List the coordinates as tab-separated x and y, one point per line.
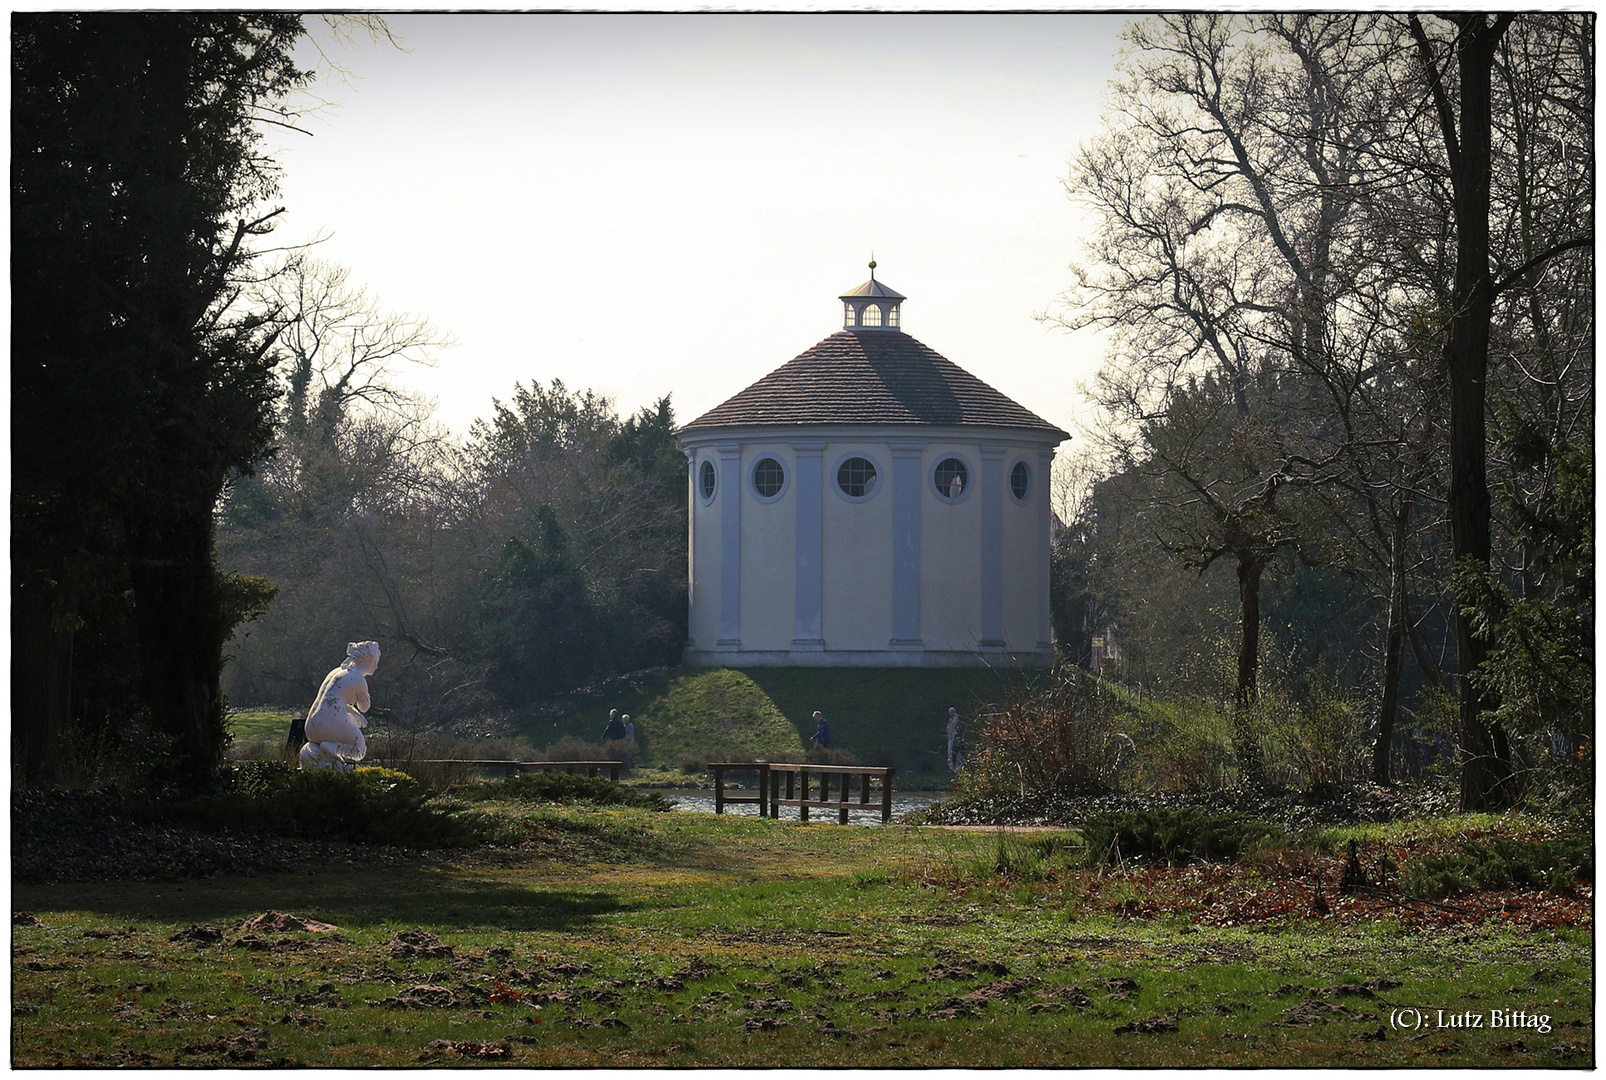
857	556
950	554
769	552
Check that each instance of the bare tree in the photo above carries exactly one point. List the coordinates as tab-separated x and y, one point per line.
1457	71
1284	204
1224	269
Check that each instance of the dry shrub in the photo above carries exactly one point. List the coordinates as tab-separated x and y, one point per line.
1317	736
1186	745
1056	737
574	748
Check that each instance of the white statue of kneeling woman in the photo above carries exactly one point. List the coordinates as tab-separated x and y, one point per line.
335	721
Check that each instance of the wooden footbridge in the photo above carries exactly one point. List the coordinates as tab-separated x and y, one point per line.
799	781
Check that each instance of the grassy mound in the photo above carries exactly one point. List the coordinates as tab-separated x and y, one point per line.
714	715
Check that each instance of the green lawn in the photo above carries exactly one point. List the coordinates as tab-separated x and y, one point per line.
632	938
262	722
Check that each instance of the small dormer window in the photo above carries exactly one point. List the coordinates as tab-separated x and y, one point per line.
847	315
892	316
872	314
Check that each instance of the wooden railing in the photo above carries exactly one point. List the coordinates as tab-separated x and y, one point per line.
770	798
514	768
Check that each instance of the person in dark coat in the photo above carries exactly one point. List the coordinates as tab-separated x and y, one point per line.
615	729
822	731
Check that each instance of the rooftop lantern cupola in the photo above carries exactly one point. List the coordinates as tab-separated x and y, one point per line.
872	306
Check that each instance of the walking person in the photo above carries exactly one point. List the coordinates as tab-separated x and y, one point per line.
615	729
630	742
956	741
822	732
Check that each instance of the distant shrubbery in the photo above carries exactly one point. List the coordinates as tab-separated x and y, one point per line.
1082	733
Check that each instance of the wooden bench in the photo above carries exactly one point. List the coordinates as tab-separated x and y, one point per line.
770	797
514	768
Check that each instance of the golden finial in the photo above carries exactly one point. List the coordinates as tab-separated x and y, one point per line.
872	266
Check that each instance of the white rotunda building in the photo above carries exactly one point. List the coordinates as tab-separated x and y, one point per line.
870	503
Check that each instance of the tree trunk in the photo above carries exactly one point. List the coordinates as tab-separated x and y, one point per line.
178	616
1393	647
1246	745
41	680
1486	765
297	738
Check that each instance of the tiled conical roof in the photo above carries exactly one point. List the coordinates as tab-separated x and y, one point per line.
871	377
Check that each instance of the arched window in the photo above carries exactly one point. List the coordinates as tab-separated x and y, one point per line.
872	314
706	479
892	316
768	477
951	477
1020	481
847	315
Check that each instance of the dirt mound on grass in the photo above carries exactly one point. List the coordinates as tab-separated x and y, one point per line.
278	922
420	997
410	943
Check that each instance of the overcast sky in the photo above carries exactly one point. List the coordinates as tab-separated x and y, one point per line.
670	204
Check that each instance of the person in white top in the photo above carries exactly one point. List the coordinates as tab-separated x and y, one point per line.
335	721
956	748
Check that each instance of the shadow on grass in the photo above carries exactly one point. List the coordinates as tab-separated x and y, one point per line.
351	900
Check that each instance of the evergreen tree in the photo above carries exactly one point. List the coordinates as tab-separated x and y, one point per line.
138	383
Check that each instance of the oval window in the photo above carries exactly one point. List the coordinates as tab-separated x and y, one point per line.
706	478
951	478
1020	481
856	477
768	476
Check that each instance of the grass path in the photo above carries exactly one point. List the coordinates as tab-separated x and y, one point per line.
623	937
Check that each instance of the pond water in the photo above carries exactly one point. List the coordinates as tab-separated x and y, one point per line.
701	801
